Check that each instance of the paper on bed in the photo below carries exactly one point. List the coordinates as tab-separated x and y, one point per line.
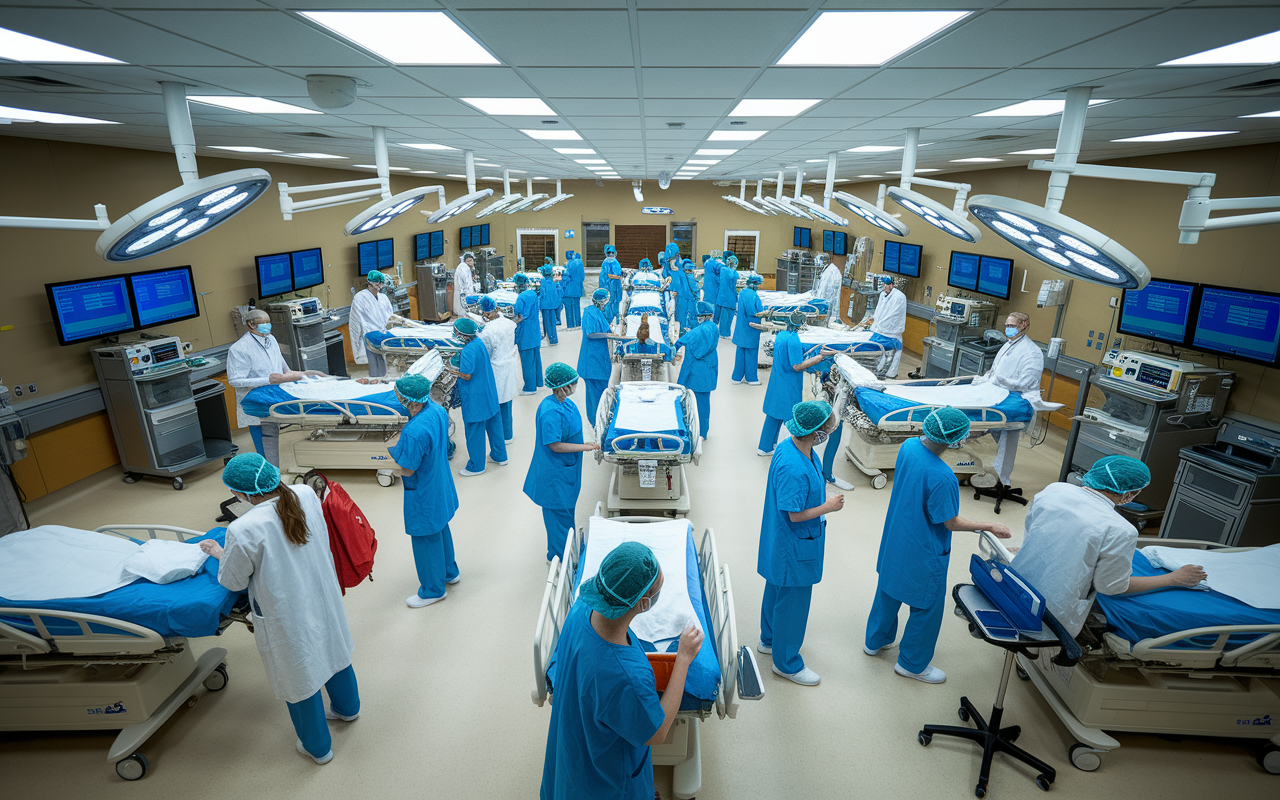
770	298
669	542
812	336
329	389
424	332
655	326
1251	576
165	561
52	562
982	395
647	408
855	373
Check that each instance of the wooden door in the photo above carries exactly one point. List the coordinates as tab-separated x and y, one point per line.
635	242
534	247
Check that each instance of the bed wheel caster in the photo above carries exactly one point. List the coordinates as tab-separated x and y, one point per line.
997	509
924	739
131	477
980	791
133	768
386	478
963	714
217	680
1022	673
1044	782
178	484
977	495
879	482
1084	757
1269	758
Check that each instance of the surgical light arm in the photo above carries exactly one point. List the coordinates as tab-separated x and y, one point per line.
101	223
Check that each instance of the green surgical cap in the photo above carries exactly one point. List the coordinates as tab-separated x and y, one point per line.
731	259
796	319
466	326
754	278
808	416
560	375
375	277
947	426
625	575
251	474
521	279
414	388
1119	474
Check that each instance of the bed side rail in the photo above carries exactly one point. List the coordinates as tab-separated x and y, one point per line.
718	590
901	419
557	597
663	453
356	412
133	531
1219	653
69	632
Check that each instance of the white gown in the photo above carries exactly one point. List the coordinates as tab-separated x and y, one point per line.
891	320
499	336
828	289
1017	367
464	283
369	312
251	362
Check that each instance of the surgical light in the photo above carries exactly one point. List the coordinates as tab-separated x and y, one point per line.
551	136
250	105
735	136
460	204
379	214
26	115
1033	108
741	200
511	106
948	220
635	190
772	108
821	211
16	46
871	213
406	37
558	197
502	202
1173	136
242	149
1264	49
528	200
880	36
656	210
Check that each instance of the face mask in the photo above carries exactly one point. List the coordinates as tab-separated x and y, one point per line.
1011	332
820	437
264	328
650	602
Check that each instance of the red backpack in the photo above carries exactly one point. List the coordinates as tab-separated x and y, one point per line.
351	538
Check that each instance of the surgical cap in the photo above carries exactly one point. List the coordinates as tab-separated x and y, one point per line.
569	254
599	294
645	264
731	259
414	388
375	277
886	279
547	270
548	260
663	257
1119	474
808	416
947	426
560	375
624	576
520	278
672	250
796	319
467	326
705	258
704	309
610	249
754	278
487	304
251	474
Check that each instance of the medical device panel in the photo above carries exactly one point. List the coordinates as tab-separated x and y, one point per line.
84	310
308	268
163	295
1163	311
1239	324
298	327
275	274
1144	368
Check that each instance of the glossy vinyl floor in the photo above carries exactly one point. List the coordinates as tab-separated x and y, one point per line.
445	690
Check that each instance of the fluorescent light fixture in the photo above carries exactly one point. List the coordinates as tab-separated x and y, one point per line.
250	105
591	161
575	151
421	172
841	180
1264	49
16	46
693	169
703	161
1033	108
595	168
541	179
874	148
406	37
713	152
936	214
917	172
689	178
870	176
375	166
1173	136
27	115
511	106
815	161
1264	114
316	156
735	136
427	146
871	213
551	136
382	212
772	108
464	177
975	160
880	36
513	171
242	148
1039	151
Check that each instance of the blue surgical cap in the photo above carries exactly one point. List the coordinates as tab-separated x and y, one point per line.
520	278
947	426
1119	474
754	278
466	326
560	374
672	250
623	578
375	277
886	279
599	294
548	260
704	309
251	474
705	257
414	388
547	270
487	304
808	416
645	264
610	249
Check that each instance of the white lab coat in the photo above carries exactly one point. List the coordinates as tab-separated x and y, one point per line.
464	283
1017	367
828	288
295	601
251	362
369	312
499	337
890	317
1076	545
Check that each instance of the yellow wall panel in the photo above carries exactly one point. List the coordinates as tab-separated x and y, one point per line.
74	450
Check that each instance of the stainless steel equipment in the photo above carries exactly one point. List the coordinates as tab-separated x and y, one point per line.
433	291
336	352
298	326
975	356
956	320
800	270
489	265
1229	491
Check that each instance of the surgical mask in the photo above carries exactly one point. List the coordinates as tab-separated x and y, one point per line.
264	328
1010	332
820	437
650	602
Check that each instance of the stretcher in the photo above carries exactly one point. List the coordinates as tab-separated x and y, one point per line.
650	432
117	661
780	305
721	667
653	303
643	366
505	299
873	351
1174	662
637	281
534	278
404	341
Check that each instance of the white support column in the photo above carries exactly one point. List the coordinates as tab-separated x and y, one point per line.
471	171
1070	135
831	179
180	132
909	157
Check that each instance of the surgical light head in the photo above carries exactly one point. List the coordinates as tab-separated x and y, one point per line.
871	213
935	213
625	575
947	426
1117	474
413	388
808	417
382	212
250	474
560	375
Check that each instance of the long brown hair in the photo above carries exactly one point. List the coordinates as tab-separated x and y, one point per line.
291	515
642	331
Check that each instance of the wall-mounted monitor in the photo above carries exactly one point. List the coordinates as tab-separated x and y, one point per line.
84	310
902	258
1239	324
828	241
275	274
962	272
308	268
995	276
378	254
428	245
164	295
1163	311
800	237
480	235
840	245
464	237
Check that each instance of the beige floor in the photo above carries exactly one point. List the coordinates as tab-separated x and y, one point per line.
446	690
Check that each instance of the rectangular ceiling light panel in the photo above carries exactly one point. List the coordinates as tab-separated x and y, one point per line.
406	37
250	105
591	161
975	160
242	149
551	136
316	156
27	115
772	108
1033	108
1263	49
735	136
713	152
511	106
864	38
874	148
575	151
1173	136
1039	151
427	146
16	46
1264	114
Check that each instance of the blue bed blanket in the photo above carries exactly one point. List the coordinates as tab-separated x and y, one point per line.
652	446
876	404
380	338
258	402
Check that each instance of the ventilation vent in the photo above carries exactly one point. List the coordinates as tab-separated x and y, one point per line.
43	83
1270	86
311	134
995	137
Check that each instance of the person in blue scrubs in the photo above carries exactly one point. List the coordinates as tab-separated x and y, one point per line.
528	335
479	390
549	302
793	539
571	289
555	474
701	371
611	279
593	353
685	284
916	545
786	381
746	334
727	295
607	714
710	280
421	455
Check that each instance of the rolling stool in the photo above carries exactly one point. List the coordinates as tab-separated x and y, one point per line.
1001	493
984	617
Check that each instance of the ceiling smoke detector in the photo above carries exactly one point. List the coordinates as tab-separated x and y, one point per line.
332	91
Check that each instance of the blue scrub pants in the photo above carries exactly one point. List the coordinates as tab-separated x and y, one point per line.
615	301
558	521
308	716
266	441
595	388
704	412
573	312
726	321
531	367
830	452
746	362
475	433
784	615
549	324
920	636
255	433
434	561
508	430
716	312
769	436
559	309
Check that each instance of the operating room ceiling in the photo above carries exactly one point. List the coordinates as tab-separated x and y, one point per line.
645	82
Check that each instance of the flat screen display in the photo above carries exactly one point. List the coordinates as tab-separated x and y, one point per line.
800	237
308	268
1244	325
464	237
963	270
909	259
892	251
1162	311
437	244
422	246
484	235
995	276
828	241
275	274
164	295
367	256
841	243
386	253
85	310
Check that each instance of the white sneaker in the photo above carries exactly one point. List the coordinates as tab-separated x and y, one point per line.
329	713
767	649
930	675
509	441
526	394
325	759
413	601
735	383
753	383
763	453
466	473
805	677
877	651
493	460
456	578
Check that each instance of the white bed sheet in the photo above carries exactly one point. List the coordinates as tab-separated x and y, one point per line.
1249	576
812	336
647	408
655	327
770	298
855	373
424	332
331	388
642	299
429	366
982	395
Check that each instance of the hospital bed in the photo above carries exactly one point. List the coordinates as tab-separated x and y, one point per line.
649	431
1175	662
721	667
505	299
646	301
534	278
873	351
642	366
404	341
780	305
119	660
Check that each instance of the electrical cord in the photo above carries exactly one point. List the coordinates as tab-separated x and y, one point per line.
17	490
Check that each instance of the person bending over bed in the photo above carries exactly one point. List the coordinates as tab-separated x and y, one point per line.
1076	545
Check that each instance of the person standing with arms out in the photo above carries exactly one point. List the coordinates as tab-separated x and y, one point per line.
793	539
746	336
727	295
701	372
279	552
1017	367
499	337
593	353
611	279
549	301
916	546
571	288
711	283
528	335
554	479
255	360
370	310
479	391
464	283
889	320
786	381
421	454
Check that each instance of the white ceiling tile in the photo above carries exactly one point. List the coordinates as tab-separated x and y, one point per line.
583	82
289	39
115	36
1027	84
859	108
712	82
536	39
951	108
471	81
916	83
699	38
806	82
596	107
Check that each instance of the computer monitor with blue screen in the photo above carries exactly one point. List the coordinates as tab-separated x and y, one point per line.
386	253
275	274
84	310
909	259
892	251
841	243
800	237
437	244
1162	311
164	295
308	268
995	276
421	246
828	241
464	237
1239	324
963	270
367	257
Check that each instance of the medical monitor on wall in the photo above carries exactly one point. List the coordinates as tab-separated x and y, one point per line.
428	245
275	274
480	235
164	295
1163	311
995	276
1239	324
800	237
308	268
84	310
841	243
464	237
962	273
378	254
909	259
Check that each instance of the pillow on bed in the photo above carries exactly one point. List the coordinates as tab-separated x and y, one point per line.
163	561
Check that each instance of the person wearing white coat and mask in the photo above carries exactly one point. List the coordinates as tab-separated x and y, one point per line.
499	336
255	360
828	289
1017	367
279	551
464	283
370	310
890	320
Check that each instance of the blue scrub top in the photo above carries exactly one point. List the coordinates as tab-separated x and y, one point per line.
605	709
916	545
727	292
701	367
685	285
711	280
791	552
748	306
571	281
528	329
430	498
611	275
593	354
786	385
550	298
554	479
480	394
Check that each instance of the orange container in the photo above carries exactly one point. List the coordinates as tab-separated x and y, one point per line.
663	665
